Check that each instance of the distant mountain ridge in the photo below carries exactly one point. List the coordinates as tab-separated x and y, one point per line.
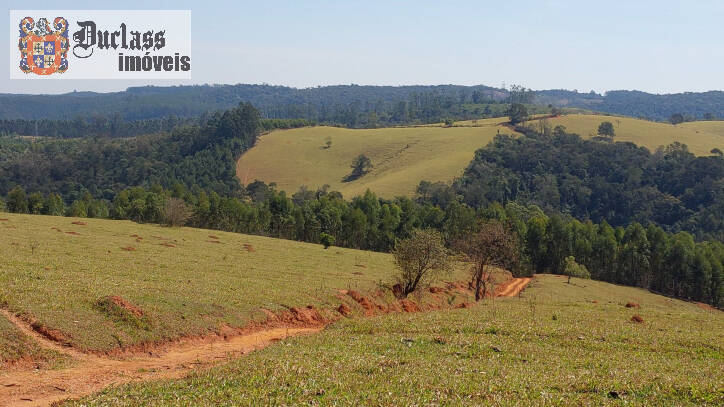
639	104
150	102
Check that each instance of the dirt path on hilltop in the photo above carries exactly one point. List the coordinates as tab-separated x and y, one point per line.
514	287
92	373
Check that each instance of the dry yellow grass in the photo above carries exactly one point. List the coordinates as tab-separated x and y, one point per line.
402	156
700	137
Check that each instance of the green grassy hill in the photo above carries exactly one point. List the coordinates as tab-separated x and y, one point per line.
404	156
700	137
559	344
185	281
401	156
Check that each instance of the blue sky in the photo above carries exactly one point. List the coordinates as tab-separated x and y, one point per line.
656	46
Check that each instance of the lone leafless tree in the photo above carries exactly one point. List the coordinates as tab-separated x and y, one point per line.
492	245
175	212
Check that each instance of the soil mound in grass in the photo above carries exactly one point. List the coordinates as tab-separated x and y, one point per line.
365	302
637	319
409	306
126	305
344	309
632	305
122	310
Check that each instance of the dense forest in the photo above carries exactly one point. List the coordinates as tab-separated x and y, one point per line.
95	127
600	180
201	154
346	105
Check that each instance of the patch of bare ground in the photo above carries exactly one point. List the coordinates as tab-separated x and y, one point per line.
92	372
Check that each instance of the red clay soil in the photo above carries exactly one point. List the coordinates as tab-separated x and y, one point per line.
73	233
91	373
409	306
637	319
365	302
344	309
79	223
128	248
125	304
706	306
512	287
632	305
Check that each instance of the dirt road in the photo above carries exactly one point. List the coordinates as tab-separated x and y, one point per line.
91	373
514	287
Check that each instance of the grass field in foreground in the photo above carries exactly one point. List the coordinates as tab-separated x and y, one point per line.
700	137
402	157
553	346
57	272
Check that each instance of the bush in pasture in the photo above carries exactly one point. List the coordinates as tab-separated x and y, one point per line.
573	269
419	258
518	113
326	239
606	130
361	165
17	201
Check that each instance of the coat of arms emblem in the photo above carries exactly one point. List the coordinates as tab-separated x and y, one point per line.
43	49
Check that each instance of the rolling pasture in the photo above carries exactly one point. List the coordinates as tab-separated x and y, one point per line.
401	156
404	156
701	137
556	344
66	275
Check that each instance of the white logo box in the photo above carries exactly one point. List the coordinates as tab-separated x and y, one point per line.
169	28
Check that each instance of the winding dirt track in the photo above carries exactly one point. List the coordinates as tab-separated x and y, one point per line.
91	373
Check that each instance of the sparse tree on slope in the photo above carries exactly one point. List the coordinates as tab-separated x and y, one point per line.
492	245
419	258
606	129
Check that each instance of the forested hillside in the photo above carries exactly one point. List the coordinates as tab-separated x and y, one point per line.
600	180
193	155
